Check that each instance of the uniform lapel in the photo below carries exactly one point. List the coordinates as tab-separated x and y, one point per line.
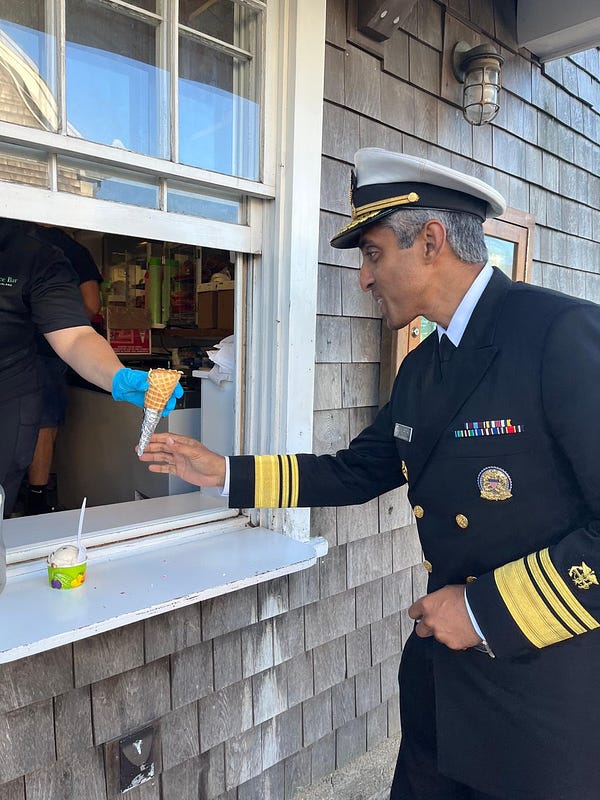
437	400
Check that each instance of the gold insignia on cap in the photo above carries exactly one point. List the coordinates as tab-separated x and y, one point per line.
428	565
405	470
494	484
470	579
583	576
462	521
387	202
356	221
418	512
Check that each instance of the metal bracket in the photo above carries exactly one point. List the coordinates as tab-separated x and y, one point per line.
379	20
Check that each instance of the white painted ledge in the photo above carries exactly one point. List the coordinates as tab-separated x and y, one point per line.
128	583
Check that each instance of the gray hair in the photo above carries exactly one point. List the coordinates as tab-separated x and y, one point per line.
464	232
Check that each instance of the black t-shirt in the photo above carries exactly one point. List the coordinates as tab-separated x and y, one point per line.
81	260
38	290
79	256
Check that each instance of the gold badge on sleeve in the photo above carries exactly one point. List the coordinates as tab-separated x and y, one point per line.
494	484
583	576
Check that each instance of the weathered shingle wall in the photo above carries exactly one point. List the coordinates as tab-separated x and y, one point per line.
267	689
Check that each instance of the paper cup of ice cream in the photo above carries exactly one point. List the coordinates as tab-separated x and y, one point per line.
65	568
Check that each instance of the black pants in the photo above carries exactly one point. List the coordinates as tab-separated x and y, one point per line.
19	425
417	776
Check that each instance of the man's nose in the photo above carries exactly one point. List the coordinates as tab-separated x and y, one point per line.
365	277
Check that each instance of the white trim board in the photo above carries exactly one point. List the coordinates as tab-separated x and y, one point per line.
124	588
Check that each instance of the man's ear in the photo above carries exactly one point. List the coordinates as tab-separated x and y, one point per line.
434	238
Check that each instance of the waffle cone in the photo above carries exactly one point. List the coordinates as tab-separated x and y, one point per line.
162	383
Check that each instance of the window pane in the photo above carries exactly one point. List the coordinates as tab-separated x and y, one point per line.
147	5
27	66
215	19
218	90
21	165
502	254
116	92
184	201
103	183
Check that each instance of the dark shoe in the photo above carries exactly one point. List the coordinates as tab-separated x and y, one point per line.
38	502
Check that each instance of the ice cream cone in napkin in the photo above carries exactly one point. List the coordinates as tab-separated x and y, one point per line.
161	382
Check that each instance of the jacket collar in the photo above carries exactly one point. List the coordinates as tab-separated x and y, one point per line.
437	401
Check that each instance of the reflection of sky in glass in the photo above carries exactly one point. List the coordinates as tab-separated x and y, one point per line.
134	193
35	43
427	327
208	119
123	102
113	99
198	206
501	254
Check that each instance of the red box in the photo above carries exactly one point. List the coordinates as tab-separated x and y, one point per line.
130	340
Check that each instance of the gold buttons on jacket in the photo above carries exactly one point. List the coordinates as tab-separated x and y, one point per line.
428	565
418	512
470	579
461	521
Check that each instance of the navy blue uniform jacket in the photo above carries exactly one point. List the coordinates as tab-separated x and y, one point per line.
513	513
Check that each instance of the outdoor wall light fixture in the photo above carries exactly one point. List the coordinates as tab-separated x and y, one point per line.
479	69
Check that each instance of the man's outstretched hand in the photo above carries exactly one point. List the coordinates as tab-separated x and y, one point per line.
187	458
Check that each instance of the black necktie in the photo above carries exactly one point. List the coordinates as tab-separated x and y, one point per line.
446	350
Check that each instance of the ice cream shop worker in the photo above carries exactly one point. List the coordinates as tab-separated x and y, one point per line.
493	423
53	371
39	290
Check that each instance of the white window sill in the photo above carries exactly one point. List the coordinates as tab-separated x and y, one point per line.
137	579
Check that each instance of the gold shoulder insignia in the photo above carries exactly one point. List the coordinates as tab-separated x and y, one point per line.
583	576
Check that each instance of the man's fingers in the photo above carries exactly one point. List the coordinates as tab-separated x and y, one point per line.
422	630
416	610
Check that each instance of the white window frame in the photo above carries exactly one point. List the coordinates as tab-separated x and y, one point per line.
279	342
277	349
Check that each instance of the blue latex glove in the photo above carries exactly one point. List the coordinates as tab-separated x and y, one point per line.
131	385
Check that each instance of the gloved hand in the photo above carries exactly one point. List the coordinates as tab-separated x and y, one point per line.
131	385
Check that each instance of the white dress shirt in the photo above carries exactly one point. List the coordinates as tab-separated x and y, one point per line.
456	328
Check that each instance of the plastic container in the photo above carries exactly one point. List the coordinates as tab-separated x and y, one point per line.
216	417
2	546
169	269
183	294
67	575
153	290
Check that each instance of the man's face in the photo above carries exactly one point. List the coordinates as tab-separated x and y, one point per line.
396	278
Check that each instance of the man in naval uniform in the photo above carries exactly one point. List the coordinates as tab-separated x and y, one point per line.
493	423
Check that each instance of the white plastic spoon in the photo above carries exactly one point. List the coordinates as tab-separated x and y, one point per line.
80	547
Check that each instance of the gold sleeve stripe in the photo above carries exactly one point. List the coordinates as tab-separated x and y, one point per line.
284	466
526	607
276	481
553	601
565	593
266	482
295	483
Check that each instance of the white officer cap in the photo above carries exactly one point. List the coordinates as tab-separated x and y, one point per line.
383	182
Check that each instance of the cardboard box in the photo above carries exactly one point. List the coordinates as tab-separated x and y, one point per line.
128	330
130	341
225	309
214	306
206	309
